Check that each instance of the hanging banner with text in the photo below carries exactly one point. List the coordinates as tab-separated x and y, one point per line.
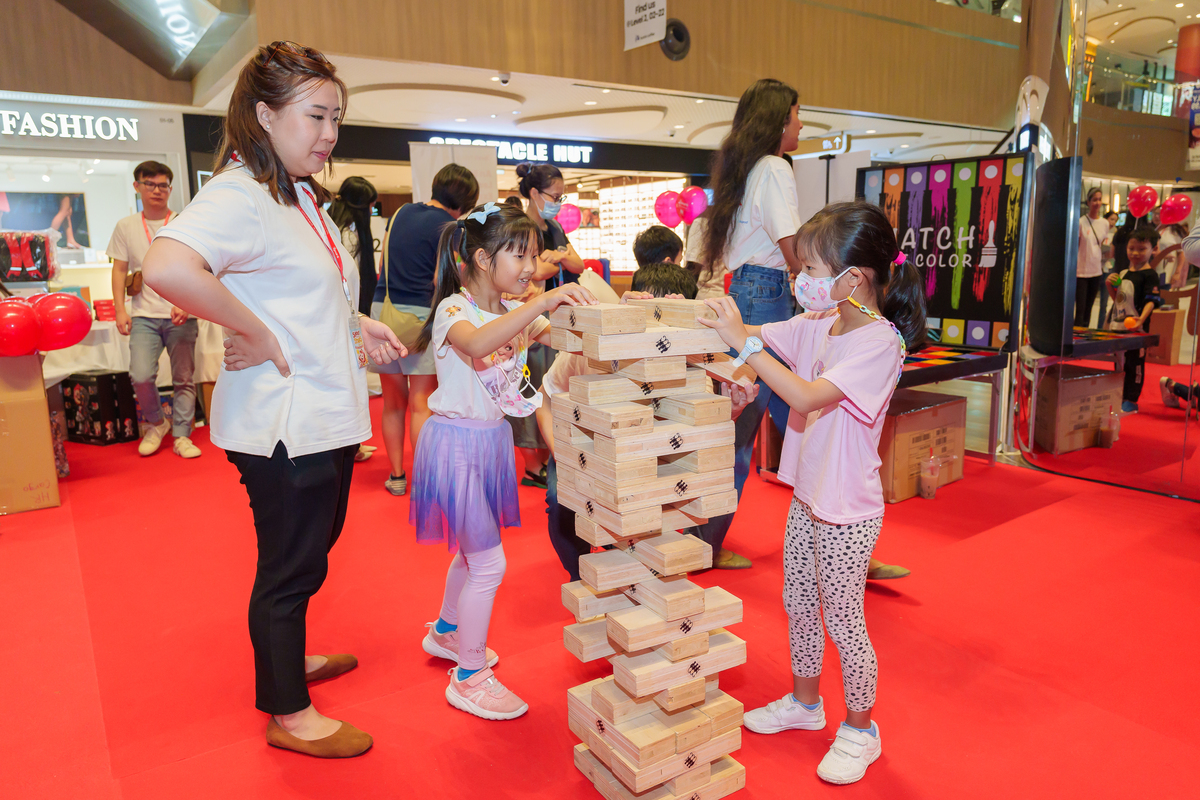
645	22
959	223
1193	118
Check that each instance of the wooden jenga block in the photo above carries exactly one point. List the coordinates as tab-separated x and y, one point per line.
597	389
641	740
654	369
673	484
671	598
712	505
568	433
630	523
725	776
706	460
670	553
701	408
602	318
691	727
610	570
725	712
638	628
653	343
675	519
615	704
676	313
565	341
582	457
586	604
587	734
684	647
606	420
681	695
641	780
589	641
664	439
720	366
650	673
690	781
591	764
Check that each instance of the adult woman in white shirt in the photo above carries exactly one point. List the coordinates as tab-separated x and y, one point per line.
751	223
255	253
1089	269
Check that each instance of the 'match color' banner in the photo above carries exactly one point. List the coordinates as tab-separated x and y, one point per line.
959	222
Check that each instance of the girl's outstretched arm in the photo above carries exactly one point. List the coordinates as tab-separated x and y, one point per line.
804	396
480	342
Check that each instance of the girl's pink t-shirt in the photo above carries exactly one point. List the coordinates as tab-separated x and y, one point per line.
831	456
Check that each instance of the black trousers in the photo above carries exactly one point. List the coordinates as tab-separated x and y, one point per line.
1086	292
1135	374
299	507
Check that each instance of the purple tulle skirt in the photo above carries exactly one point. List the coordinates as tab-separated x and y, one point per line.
464	483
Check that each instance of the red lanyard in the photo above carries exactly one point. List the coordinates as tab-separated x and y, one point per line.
146	228
326	240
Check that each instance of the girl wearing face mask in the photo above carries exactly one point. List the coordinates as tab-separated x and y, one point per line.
464	489
845	361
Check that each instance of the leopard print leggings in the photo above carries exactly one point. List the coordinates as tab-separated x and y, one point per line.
825	570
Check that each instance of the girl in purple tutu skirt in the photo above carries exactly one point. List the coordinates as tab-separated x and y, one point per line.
464	487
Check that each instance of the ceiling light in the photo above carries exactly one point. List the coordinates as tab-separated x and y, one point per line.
1179	5
90	171
1016	17
1116	23
46	176
699	101
516	112
678	127
605	91
493	116
871	131
1169	41
495	77
459	119
904	145
590	103
499	172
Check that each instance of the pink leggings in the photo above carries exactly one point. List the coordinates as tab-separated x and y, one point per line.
471	585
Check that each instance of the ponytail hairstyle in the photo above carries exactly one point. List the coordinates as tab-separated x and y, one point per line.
504	227
353	205
858	234
539	177
276	75
757	131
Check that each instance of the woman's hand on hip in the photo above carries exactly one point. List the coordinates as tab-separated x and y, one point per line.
245	350
728	322
383	346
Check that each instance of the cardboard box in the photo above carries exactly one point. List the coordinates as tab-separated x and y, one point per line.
29	478
917	421
1169	326
1072	401
100	408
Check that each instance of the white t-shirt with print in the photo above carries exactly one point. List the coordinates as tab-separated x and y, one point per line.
129	243
770	211
1092	233
461	392
269	257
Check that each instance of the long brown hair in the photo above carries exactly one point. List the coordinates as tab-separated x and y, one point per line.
275	75
757	131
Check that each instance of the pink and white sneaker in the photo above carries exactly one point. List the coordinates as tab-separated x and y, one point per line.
445	645
484	696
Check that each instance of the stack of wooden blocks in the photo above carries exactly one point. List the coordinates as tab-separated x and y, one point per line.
644	449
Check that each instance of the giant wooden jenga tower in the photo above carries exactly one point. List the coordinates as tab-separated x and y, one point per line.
644	450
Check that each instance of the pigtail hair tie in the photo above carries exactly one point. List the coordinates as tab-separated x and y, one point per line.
900	259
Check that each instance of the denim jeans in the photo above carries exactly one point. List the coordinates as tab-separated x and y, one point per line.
560	524
762	296
147	338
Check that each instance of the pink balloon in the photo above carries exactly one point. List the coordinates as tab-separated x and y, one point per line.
665	208
1141	200
692	203
1175	208
569	217
65	319
19	327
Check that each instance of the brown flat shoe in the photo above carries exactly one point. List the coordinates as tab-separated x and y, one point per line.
346	742
334	665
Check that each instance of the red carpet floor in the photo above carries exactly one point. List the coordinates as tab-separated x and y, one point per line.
1044	646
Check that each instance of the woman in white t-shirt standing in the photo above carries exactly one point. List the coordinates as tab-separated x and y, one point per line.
1089	270
254	253
751	222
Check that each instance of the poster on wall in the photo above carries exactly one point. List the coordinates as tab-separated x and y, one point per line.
959	222
1193	117
37	211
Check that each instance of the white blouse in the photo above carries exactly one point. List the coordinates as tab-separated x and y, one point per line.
271	259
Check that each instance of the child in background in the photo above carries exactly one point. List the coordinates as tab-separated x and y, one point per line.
1134	294
464	488
656	245
665	279
844	367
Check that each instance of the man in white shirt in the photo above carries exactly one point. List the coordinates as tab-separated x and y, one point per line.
1093	229
154	323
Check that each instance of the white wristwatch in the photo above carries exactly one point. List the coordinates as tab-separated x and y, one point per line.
753	345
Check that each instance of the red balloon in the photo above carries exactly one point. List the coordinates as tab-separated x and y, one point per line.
65	319
19	327
569	217
1175	208
1141	200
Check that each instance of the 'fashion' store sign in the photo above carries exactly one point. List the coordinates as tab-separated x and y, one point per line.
507	150
67	126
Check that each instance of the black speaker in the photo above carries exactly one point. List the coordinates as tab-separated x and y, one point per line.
1055	251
